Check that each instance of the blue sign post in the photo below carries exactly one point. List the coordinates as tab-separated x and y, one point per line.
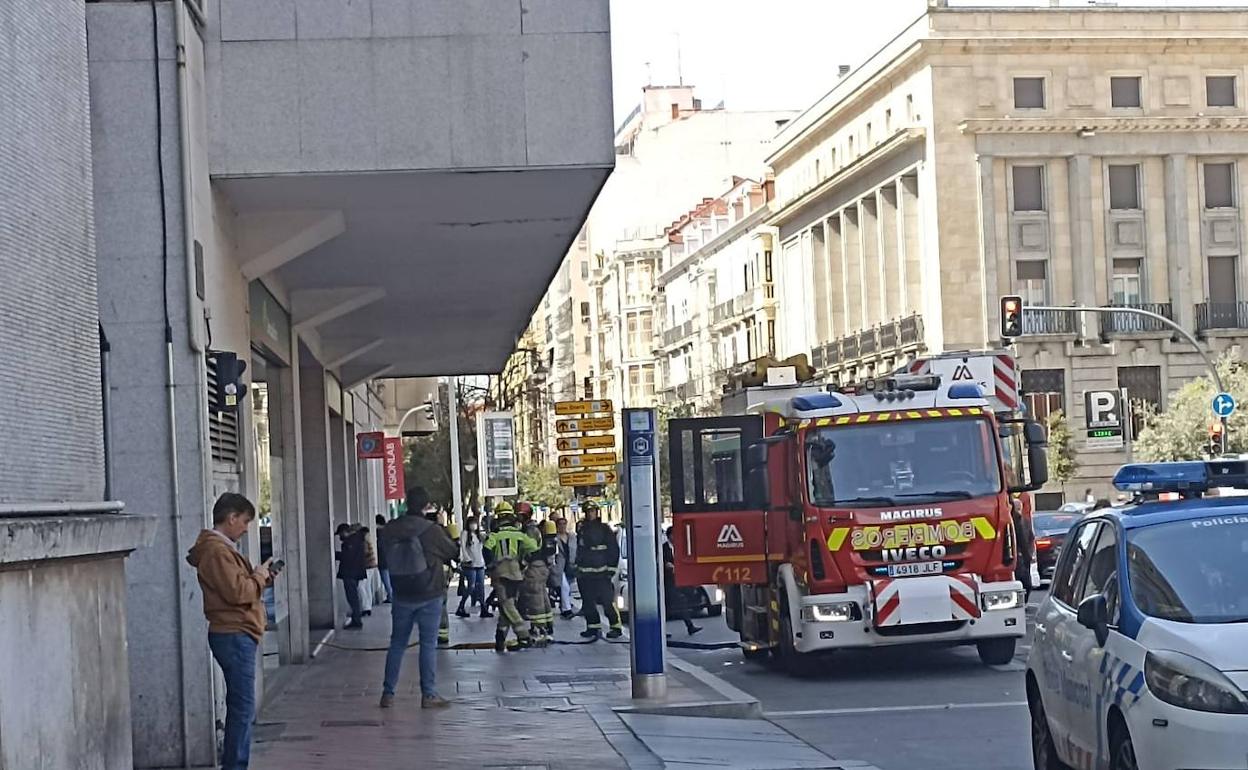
640	484
1224	405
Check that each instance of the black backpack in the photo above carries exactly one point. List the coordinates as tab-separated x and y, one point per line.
409	569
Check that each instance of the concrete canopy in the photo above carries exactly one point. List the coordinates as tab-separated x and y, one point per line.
438	271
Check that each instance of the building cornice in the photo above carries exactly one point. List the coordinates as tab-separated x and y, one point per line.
1093	125
890	146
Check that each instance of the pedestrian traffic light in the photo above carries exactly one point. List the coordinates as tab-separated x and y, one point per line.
1011	316
230	388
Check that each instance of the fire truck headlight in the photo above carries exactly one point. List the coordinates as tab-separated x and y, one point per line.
831	613
1002	600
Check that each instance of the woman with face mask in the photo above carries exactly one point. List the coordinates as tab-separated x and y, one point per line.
472	561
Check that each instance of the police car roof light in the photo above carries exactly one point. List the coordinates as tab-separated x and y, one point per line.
815	401
965	390
1181	476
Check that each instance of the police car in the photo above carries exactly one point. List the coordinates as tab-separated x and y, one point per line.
1140	658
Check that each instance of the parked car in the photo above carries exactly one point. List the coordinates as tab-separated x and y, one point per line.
708	600
1051	528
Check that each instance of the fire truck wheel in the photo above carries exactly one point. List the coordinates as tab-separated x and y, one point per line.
793	662
996	652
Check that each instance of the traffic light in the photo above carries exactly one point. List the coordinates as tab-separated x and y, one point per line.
430	412
230	388
1011	316
1215	439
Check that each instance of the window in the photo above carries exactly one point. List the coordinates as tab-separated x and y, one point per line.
1143	386
1102	573
1044	391
851	147
1124	93
888	121
1219	186
910	107
1220	91
771	337
1068	578
1127	284
1029	93
1033	281
767	265
1028	188
584	312
588	345
584	269
868	135
1124	188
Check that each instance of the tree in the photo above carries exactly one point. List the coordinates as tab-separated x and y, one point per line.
428	461
539	484
1062	462
1182	431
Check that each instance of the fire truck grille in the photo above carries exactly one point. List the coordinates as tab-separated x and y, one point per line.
918	629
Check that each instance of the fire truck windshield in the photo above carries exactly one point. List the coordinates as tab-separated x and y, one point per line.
879	464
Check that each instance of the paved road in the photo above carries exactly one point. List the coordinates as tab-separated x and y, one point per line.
929	708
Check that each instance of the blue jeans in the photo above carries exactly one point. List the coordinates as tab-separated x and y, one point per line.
426	616
385	582
236	655
474	579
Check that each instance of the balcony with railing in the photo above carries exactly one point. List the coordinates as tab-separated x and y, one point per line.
679	333
885	339
1049	322
1211	316
1129	323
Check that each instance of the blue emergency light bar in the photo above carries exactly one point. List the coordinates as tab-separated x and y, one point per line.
815	401
965	390
1182	476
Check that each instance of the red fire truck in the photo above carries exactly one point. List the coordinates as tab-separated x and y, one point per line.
869	516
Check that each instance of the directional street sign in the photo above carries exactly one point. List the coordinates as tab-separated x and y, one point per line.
1224	405
587	478
574	443
588	460
585	423
583	407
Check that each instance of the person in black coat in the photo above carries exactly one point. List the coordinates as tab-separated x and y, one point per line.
352	556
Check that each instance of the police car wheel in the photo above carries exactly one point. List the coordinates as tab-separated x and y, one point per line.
996	652
1122	751
1043	750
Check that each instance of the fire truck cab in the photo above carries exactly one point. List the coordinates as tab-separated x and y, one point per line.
876	515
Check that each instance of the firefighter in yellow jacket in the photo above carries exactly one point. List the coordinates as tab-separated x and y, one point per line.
534	595
508	547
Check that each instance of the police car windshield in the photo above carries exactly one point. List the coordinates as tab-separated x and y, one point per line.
881	463
1193	571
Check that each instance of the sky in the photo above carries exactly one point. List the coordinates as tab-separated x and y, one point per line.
763	54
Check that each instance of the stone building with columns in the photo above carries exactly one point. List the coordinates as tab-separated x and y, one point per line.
1092	156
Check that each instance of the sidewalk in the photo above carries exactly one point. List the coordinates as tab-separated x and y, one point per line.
554	708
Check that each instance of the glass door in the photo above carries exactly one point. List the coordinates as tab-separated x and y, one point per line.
267	414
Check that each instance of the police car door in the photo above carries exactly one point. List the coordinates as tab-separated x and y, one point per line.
1058	633
1087	710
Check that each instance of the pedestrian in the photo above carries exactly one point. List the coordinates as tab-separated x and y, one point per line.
1088	497
472	567
678	597
508	546
352	556
367	592
233	604
417	552
567	553
434	514
382	570
534	594
597	559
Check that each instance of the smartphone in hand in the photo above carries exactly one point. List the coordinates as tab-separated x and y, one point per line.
276	567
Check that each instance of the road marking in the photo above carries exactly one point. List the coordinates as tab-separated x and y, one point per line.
887	709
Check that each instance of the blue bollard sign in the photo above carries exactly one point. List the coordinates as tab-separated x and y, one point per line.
645	576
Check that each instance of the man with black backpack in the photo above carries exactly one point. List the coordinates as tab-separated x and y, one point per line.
417	552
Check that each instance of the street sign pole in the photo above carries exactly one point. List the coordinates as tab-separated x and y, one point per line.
645	581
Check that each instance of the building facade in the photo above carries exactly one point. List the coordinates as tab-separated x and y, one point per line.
333	191
715	296
1091	156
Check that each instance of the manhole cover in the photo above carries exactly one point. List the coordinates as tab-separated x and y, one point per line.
351	723
584	677
535	702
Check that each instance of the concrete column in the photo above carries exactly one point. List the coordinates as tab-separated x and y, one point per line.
1082	251
834	241
910	248
1178	243
851	248
988	245
892	267
317	492
294	545
821	286
872	274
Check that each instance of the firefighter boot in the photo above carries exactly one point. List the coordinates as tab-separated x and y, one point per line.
615	632
500	640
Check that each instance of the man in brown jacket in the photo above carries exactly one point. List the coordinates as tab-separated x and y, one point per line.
234	606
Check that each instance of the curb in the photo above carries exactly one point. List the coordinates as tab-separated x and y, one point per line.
727	691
